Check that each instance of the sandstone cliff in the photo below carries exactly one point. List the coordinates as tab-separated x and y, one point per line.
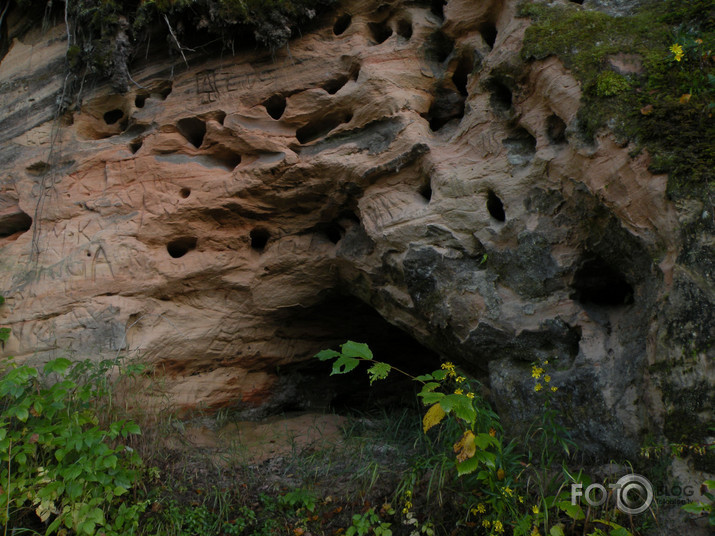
400	166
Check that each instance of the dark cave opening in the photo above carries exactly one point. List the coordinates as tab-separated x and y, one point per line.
275	105
495	207
193	129
259	238
112	116
489	33
329	324
596	282
342	23
17	222
181	246
380	31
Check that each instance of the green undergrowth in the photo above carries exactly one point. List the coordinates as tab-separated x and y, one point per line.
665	103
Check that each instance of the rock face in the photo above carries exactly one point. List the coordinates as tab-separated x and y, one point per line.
400	164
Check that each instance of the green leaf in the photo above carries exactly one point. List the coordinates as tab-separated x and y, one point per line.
344	364
356	349
4	334
557	530
133	428
379	371
695	508
439	374
59	365
483	441
21	413
710	484
425	378
324	355
467	466
21	458
431	386
574	511
430	398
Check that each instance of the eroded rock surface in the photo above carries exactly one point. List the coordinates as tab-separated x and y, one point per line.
227	220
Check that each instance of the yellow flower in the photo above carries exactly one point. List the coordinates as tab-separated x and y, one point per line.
677	51
547	378
508	491
458	391
448	366
470	396
481	508
521	499
546	362
535	531
554	389
538	387
473	511
498	527
501	474
492	432
486	523
536	372
535	509
459	379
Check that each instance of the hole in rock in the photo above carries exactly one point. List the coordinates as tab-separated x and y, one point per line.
555	129
135	145
342	23
334	85
426	191
308	384
332	231
489	33
275	105
18	222
437	7
185	192
259	238
226	158
217	115
181	246
501	96
404	28
447	105
579	2
495	207
597	282
38	168
462	72
439	46
193	129
164	88
140	100
521	147
320	127
112	116
380	31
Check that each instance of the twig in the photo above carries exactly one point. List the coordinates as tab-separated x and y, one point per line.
171	31
2	15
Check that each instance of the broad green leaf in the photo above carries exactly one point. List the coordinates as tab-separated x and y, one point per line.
433	416
356	349
430	398
431	386
464	409
58	365
379	371
439	374
574	511
344	364
21	413
324	355
133	428
21	458
467	466
424	378
695	508
710	484
4	334
483	441
557	530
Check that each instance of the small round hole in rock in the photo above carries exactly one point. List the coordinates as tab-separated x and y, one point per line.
501	96
334	232
555	129
140	100
495	207
185	192
342	23
259	239
426	191
135	145
113	116
17	222
275	106
380	31
437	8
181	246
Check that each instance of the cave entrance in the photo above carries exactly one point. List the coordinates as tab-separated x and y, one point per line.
308	385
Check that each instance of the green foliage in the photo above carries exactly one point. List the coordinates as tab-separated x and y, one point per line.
702	508
368	522
667	107
299	498
58	459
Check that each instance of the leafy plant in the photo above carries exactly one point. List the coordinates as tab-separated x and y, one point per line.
57	457
702	508
367	522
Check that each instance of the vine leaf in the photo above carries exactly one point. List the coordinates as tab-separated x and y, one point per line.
344	364
465	447
356	349
433	416
378	371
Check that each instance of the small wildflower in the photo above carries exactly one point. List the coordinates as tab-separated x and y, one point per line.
470	396
677	51
458	391
546	362
535	509
547	378
498	527
536	372
459	379
538	387
521	499
554	389
405	510
481	508
492	432
508	491
486	523
699	41
473	511
448	366
685	98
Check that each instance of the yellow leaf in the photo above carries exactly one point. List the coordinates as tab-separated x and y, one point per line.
685	98
432	417
465	447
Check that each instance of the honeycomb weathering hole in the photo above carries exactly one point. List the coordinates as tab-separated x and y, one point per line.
437	7
501	96
462	72
555	129
19	222
185	192
112	116
193	129
342	23
259	238
320	127
596	282
380	31
489	33
404	28
181	246
495	207
426	191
